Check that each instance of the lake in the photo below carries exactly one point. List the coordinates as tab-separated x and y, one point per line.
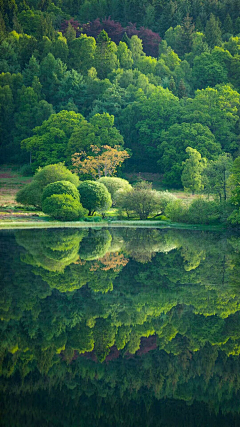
120	327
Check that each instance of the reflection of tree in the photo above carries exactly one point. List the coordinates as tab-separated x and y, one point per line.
50	249
139	390
143	244
192	312
95	245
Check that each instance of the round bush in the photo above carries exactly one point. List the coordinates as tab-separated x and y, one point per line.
114	184
60	187
53	173
31	194
63	207
94	196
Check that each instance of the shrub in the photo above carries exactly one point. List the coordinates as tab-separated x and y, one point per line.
94	197
31	194
60	187
141	200
203	212
199	212
177	211
53	173
164	198
63	207
114	184
26	170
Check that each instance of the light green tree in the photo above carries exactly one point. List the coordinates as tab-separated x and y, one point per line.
94	197
192	171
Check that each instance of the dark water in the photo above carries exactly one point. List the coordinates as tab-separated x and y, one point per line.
121	328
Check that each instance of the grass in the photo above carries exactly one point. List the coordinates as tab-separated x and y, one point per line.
10	182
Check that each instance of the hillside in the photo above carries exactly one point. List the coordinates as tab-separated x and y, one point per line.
154	77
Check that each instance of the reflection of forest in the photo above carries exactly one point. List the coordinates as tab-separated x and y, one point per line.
161	308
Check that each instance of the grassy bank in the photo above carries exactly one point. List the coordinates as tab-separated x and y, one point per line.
84	224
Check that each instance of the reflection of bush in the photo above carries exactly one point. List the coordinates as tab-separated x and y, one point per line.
52	250
95	245
143	244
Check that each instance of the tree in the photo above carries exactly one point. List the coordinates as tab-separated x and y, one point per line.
207	71
136	48
30	113
213	32
31	194
31	70
104	164
81	53
50	140
105	59
51	73
95	245
94	197
99	131
71	88
216	108
173	146
203	212
115	184
142	122
141	200
216	174
192	171
124	56
233	182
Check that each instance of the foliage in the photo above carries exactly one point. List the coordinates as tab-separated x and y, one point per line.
177	211
31	194
234	180
49	143
95	246
71	78
192	171
98	132
216	174
63	207
141	200
114	184
60	187
104	164
203	212
173	148
94	197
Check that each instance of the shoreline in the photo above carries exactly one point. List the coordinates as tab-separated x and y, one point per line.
11	225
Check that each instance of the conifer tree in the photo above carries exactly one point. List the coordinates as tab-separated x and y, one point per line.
213	32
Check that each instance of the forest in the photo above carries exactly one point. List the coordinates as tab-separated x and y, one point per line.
154	77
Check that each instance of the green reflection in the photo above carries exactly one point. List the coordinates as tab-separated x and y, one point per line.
113	313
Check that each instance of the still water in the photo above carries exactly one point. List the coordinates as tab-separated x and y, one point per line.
127	327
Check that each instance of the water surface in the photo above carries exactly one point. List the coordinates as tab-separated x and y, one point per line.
119	328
